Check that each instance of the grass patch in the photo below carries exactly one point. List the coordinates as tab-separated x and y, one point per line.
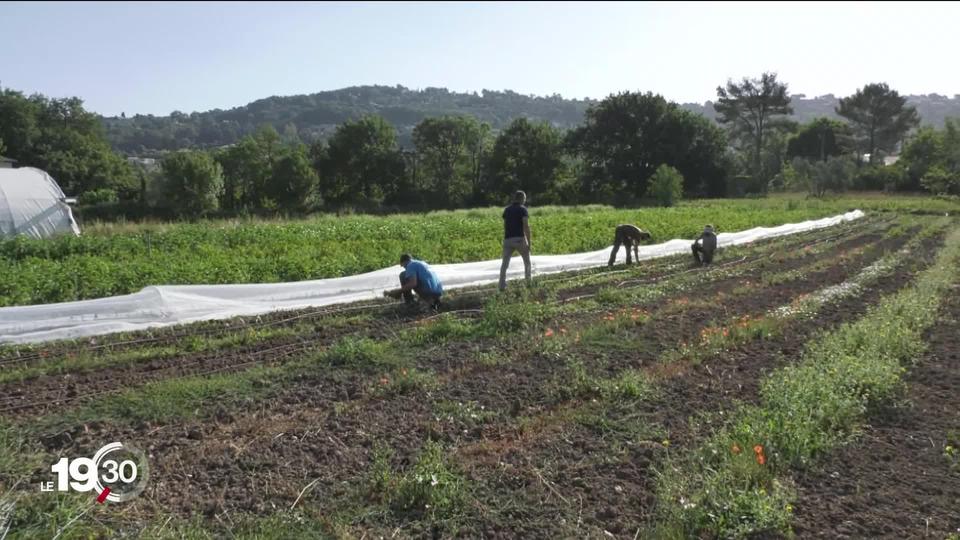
188	397
405	381
430	489
362	353
443	329
515	310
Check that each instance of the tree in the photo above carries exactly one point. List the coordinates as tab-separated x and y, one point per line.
627	136
931	158
880	118
18	128
530	156
818	177
361	164
666	185
751	109
924	151
820	139
449	150
939	181
248	169
61	137
294	181
192	183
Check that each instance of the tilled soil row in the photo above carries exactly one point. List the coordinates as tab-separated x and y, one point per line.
898	480
300	436
37	395
574	479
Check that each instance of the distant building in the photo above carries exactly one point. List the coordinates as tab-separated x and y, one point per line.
890	160
143	162
7	163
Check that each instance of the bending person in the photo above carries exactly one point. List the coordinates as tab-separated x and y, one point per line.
417	277
629	236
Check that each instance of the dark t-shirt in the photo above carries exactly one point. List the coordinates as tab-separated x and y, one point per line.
708	241
513	220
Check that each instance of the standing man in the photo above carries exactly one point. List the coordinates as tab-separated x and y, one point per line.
705	245
630	236
516	236
418	277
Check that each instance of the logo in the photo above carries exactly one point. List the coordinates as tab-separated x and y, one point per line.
117	473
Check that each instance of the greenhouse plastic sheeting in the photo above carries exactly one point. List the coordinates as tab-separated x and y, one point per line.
176	304
32	204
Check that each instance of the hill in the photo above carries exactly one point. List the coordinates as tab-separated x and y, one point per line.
316	116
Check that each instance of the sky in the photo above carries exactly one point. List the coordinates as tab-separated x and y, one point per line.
157	57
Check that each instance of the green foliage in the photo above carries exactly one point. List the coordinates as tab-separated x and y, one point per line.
294	182
666	186
62	138
511	311
361	164
359	353
406	380
97	196
879	117
879	177
819	140
450	153
192	183
751	109
818	177
431	488
951	449
528	156
445	328
932	159
940	182
627	136
312	115
111	259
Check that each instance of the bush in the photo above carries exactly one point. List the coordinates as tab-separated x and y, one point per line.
666	185
879	177
835	174
940	182
97	196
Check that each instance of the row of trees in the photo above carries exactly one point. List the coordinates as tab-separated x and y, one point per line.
61	137
459	161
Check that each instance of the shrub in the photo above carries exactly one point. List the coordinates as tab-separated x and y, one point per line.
666	185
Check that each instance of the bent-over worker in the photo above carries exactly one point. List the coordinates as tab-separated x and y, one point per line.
417	277
629	236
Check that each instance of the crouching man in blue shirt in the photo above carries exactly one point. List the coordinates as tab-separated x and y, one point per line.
418	277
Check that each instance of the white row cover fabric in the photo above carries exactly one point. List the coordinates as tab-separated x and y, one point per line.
168	305
32	204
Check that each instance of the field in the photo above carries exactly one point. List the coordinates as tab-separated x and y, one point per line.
803	385
118	259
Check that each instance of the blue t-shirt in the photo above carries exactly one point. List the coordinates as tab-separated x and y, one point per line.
425	276
513	220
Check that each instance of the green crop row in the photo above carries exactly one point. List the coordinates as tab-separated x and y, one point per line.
112	260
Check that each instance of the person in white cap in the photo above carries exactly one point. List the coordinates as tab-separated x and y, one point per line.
705	245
